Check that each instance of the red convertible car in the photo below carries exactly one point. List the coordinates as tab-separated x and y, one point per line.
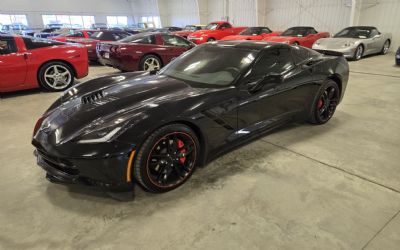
27	62
304	36
214	31
144	51
99	36
74	35
189	29
253	33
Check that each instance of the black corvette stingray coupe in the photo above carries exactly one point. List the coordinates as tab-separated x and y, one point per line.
154	128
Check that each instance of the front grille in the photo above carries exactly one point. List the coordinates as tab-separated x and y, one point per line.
60	164
93	97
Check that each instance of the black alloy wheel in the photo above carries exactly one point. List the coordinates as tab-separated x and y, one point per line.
325	105
167	158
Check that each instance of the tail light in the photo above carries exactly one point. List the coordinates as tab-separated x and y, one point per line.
115	49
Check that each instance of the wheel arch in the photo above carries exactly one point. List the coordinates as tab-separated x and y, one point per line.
336	78
53	61
152	54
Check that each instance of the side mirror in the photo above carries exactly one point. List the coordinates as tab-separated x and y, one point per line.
272	78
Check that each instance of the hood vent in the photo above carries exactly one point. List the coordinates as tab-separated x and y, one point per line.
93	97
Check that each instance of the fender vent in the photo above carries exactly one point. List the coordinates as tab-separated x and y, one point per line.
93	97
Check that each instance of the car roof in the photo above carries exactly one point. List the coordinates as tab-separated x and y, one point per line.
302	27
363	27
246	44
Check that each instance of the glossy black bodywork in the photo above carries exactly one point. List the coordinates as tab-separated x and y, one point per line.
398	56
222	117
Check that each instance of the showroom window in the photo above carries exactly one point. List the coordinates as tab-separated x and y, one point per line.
66	21
9	19
152	21
117	21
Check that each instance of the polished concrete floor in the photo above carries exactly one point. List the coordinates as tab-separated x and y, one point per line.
335	186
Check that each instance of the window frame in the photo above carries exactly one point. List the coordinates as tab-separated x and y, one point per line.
14	45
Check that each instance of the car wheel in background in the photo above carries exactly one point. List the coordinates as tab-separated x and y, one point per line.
295	44
56	76
358	53
167	158
325	104
211	39
150	62
385	47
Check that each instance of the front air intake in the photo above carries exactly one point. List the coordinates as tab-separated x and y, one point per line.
93	97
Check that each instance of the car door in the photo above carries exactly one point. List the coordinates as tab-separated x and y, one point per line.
225	30
376	41
174	46
281	96
12	64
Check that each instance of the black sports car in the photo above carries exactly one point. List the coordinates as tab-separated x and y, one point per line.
398	56
155	128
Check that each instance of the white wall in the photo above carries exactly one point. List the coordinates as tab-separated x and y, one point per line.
385	15
324	15
35	8
178	12
144	8
242	12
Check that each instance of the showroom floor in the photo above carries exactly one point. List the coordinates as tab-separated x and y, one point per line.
335	186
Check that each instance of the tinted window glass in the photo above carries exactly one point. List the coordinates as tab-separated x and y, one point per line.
374	32
174	40
264	65
226	26
285	61
140	38
35	43
7	46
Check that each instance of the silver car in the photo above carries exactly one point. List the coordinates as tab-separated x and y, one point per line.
356	42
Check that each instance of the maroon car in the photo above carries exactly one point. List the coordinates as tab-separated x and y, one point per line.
144	51
102	35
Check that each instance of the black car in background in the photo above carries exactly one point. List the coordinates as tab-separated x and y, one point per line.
155	129
398	56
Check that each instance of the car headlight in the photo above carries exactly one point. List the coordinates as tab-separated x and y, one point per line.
104	132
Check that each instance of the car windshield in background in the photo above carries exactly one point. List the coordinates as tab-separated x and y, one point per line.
138	38
97	35
190	28
354	33
211	26
300	32
251	31
210	66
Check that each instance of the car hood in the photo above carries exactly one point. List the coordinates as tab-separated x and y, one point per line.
199	33
112	97
336	42
281	39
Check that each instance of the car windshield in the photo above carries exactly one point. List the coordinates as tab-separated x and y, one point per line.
190	27
134	38
209	65
211	26
251	31
354	32
299	32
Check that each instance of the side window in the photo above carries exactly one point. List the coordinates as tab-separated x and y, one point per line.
145	40
77	34
265	31
174	40
374	32
117	36
312	31
226	26
285	61
36	43
264	65
7	46
299	54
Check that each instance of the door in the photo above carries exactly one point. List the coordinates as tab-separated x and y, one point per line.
377	41
226	30
12	65
174	47
281	96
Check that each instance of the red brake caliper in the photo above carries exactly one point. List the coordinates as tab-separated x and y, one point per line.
183	151
320	103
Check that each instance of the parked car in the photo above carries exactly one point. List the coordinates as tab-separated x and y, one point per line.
101	35
154	129
144	51
398	56
189	29
253	33
99	26
28	62
17	28
214	31
73	35
51	32
304	36
356	42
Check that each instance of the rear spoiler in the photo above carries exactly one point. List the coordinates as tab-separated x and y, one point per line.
329	52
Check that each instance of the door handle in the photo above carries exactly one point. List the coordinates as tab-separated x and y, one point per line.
25	55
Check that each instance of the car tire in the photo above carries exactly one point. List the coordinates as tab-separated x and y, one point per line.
295	44
211	39
150	62
325	103
167	158
358	53
56	76
385	47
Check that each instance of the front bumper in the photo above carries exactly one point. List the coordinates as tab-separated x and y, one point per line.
348	52
109	173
